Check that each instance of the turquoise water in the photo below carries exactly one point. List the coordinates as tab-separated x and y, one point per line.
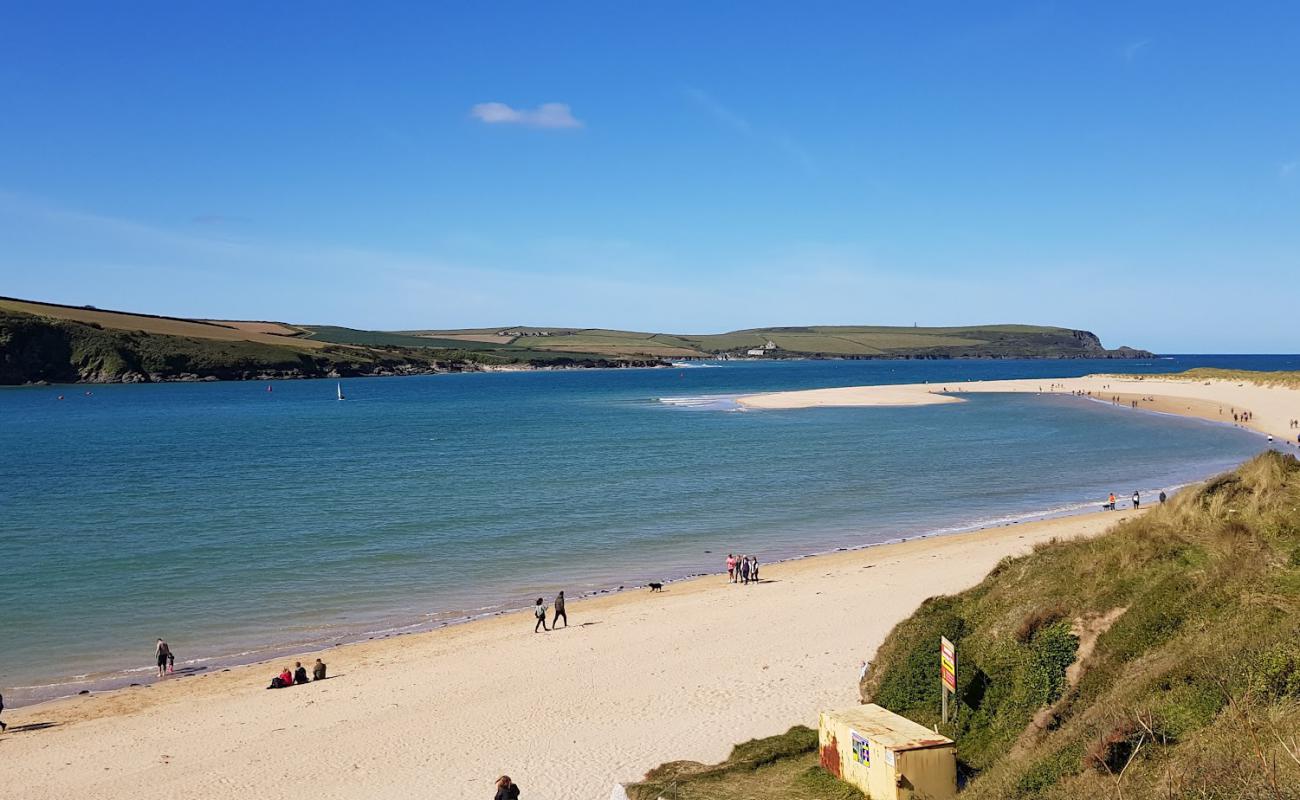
240	523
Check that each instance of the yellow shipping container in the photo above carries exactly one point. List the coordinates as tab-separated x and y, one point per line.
887	756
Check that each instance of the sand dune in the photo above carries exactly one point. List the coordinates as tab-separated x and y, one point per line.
638	679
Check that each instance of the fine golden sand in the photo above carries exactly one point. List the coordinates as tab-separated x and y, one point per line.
1272	407
637	679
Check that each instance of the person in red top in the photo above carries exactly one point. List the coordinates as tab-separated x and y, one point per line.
286	677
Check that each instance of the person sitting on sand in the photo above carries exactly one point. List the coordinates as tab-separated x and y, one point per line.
318	671
506	789
539	611
161	651
283	680
299	674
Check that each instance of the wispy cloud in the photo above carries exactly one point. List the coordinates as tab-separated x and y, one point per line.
719	112
1134	49
744	127
1288	168
547	115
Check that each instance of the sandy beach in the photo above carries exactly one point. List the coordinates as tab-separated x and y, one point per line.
1272	407
637	679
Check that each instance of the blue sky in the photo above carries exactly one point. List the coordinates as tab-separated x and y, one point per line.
1129	168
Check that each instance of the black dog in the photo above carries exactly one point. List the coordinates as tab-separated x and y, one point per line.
656	587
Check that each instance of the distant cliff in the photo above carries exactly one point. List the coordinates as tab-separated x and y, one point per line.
60	343
35	349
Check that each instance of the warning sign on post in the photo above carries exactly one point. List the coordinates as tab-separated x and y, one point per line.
948	664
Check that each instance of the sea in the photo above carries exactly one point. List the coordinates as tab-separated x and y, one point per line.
244	520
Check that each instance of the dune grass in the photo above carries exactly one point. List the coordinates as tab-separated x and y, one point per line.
1192	691
775	768
1288	378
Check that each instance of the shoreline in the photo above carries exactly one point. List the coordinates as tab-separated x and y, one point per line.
417	625
1272	407
688	660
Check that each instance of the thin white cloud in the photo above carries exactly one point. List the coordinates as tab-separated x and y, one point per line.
1133	49
547	115
741	125
1287	169
719	112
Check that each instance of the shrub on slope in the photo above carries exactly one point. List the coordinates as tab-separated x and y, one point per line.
1192	685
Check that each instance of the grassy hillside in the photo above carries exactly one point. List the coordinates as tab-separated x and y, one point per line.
1186	625
68	345
987	341
779	767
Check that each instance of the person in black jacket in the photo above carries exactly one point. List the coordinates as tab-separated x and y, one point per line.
299	674
506	789
2	708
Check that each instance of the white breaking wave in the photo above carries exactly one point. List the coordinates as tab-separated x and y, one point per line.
710	402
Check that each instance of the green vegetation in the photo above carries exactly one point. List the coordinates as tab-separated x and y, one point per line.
776	768
58	343
982	341
1186	624
35	348
1280	378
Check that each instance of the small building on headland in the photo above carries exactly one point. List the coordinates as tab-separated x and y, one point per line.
887	756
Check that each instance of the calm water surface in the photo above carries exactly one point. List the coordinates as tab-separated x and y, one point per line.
240	523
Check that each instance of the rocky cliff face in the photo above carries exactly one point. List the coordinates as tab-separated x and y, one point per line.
41	350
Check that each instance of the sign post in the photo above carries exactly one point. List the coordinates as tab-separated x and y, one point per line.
947	671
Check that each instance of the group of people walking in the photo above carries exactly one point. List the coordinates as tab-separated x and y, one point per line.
1109	505
539	611
742	569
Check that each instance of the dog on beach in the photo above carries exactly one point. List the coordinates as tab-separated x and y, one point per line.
656	587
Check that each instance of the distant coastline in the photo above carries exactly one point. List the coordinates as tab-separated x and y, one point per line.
48	343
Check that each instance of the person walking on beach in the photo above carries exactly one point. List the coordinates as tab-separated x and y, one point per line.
539	611
753	568
731	568
506	789
1137	500
559	612
161	653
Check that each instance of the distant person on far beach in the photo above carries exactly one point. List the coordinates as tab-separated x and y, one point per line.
753	568
2	710
318	670
559	612
731	568
744	570
1163	497
1137	500
161	652
506	789
171	662
539	611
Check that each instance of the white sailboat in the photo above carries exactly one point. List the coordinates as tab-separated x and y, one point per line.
339	388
